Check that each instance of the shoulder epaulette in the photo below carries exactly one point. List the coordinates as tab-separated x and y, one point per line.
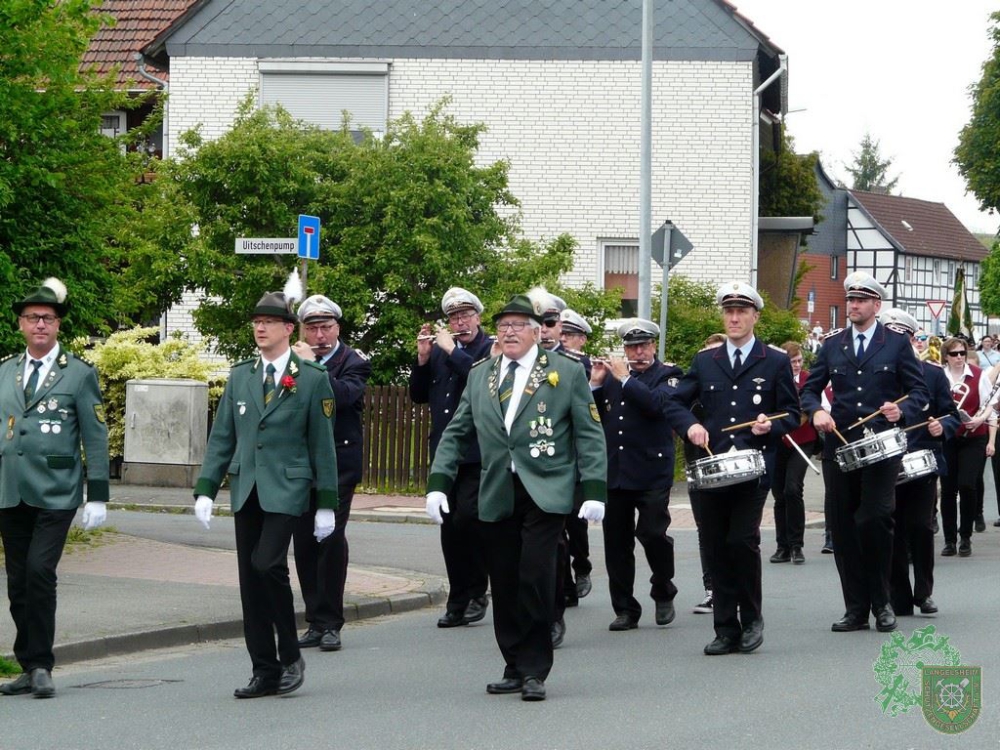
834	332
478	362
61	361
9	356
245	362
315	364
776	348
670	364
575	356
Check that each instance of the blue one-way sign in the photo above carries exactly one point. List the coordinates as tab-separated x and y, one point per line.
308	237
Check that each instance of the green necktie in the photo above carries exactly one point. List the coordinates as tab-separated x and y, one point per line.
507	387
29	389
269	385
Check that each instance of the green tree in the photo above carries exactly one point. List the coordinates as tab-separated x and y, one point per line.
869	170
63	186
989	281
788	185
405	216
978	152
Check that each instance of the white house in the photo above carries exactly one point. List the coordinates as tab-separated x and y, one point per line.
557	83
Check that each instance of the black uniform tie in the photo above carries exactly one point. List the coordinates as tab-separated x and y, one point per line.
861	345
737	361
29	389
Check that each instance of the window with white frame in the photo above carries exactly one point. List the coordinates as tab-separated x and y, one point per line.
907	268
834	266
621	270
322	92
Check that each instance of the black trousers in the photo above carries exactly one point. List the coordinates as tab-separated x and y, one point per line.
788	487
621	529
966	460
322	566
914	534
731	519
33	541
995	459
697	500
462	541
573	555
862	508
521	554
262	541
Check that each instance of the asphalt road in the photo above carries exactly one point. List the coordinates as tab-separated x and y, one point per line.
402	683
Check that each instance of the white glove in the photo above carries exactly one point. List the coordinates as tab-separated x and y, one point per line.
592	510
94	515
203	510
437	503
325	523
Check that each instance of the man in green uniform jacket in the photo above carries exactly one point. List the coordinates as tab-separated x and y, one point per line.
51	403
538	431
273	435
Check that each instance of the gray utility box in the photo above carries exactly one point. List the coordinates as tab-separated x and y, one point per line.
166	428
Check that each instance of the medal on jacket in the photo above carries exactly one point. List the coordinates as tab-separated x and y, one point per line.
44	426
542	447
242	407
10	427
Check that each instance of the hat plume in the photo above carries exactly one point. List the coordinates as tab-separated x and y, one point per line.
57	287
293	287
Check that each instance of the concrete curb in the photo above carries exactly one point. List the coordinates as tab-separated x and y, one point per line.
434	594
356	515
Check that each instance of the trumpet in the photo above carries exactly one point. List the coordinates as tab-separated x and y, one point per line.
433	338
961	390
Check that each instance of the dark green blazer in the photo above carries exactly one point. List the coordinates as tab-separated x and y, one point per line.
557	398
40	458
283	449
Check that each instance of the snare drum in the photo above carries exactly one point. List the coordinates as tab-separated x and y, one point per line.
726	469
871	449
915	465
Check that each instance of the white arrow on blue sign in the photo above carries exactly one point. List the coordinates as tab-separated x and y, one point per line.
308	237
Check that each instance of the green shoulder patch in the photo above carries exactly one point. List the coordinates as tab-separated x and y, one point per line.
328	407
99	412
595	415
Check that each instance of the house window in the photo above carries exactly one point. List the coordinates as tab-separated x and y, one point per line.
321	92
834	267
908	269
621	270
834	317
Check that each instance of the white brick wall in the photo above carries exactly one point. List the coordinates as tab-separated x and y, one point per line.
571	131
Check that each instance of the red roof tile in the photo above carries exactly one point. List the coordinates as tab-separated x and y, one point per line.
138	22
921	227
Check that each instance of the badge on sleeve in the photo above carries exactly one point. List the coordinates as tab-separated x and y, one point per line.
328	406
99	412
594	413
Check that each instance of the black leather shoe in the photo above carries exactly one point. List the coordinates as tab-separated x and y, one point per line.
505	686
311	638
948	550
980	523
927	606
258	687
797	557
623	622
533	689
476	610
964	548
292	677
20	686
558	632
41	683
885	619
665	613
583	585
827	547
722	644
781	555
752	637
572	600
849	623
451	620
330	641
997	522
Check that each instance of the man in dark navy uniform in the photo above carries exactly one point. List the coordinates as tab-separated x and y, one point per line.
322	566
633	397
740	381
438	378
916	499
869	369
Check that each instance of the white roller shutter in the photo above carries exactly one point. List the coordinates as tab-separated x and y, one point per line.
320	92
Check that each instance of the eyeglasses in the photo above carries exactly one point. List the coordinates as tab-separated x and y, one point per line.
317	328
33	319
266	322
956	354
461	317
550	322
513	325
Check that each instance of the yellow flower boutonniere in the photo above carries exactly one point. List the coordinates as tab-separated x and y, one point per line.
553	379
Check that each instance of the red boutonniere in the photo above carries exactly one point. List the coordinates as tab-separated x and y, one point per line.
288	383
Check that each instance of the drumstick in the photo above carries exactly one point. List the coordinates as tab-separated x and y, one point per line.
875	413
922	424
835	432
709	450
803	454
751	424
